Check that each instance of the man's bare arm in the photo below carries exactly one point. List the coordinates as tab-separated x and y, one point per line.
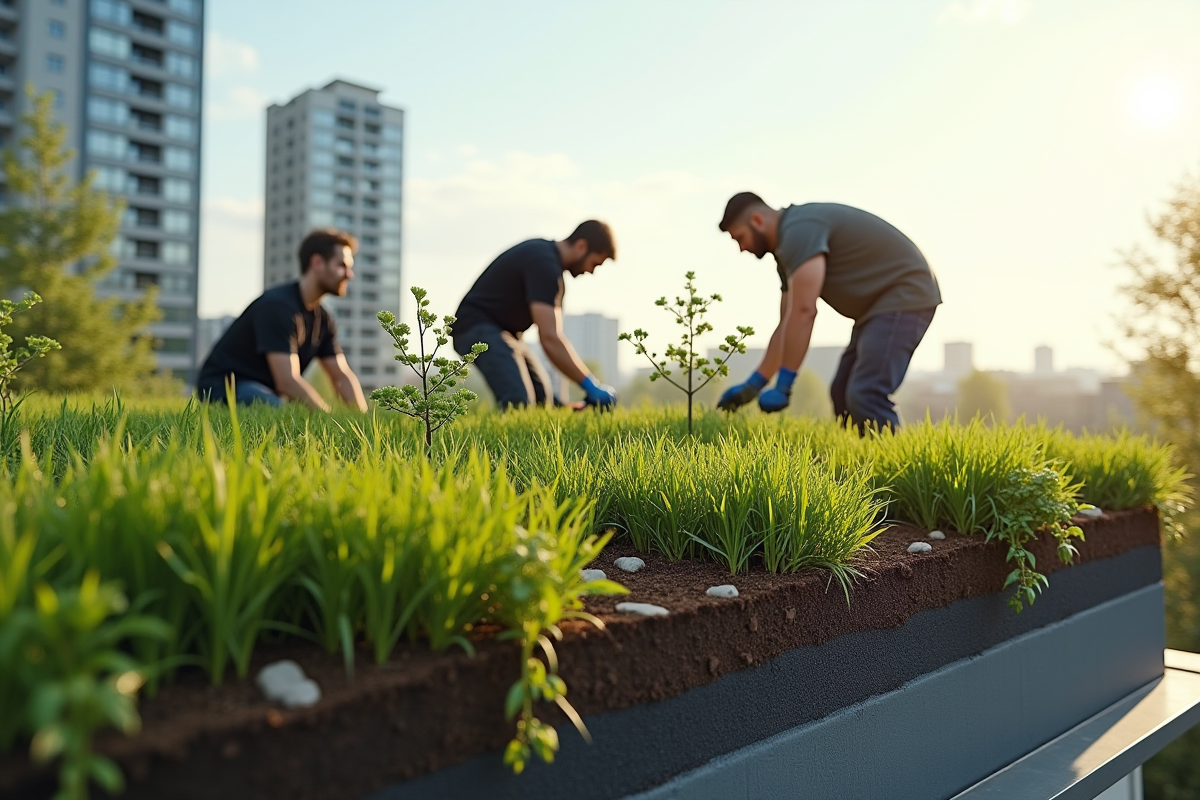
804	287
289	383
548	318
774	355
344	380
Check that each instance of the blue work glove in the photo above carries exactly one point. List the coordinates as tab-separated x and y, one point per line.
778	398
737	396
598	394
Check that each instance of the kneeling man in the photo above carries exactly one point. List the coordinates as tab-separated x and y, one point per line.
266	350
524	287
866	270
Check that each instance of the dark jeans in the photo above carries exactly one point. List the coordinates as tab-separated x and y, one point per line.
512	372
245	392
873	367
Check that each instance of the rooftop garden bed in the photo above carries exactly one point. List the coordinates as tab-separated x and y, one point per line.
185	548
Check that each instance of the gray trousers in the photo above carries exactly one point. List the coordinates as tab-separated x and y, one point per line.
511	370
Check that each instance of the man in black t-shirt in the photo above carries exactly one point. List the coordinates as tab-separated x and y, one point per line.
521	288
266	350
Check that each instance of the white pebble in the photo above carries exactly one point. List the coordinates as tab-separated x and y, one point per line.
284	682
642	609
629	563
301	695
936	535
593	575
1091	511
724	590
920	547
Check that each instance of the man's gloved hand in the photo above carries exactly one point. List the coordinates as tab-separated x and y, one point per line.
737	396
778	398
598	394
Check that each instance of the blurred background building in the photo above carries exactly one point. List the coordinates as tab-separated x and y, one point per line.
126	79
334	159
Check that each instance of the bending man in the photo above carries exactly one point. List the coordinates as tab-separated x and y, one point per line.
266	349
861	266
524	287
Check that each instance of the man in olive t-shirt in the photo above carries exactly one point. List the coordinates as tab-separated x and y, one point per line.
863	268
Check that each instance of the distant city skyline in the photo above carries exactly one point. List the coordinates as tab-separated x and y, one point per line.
1019	143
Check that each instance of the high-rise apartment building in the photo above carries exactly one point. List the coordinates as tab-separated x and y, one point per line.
126	78
334	160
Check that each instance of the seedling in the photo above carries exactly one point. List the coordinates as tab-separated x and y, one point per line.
12	361
432	401
695	371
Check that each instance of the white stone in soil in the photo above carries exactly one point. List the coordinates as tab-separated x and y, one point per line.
301	695
724	590
284	682
936	535
593	575
920	547
642	609
629	563
1091	512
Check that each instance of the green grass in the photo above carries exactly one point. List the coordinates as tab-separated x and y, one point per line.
229	528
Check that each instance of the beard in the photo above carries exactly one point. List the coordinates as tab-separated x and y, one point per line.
576	267
758	244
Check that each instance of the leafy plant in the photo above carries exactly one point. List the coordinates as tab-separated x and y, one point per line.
432	402
11	362
689	312
1028	503
543	584
65	653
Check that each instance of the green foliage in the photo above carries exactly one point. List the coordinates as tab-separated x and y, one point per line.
695	371
58	236
64	675
982	394
543	584
11	362
1124	470
433	402
973	479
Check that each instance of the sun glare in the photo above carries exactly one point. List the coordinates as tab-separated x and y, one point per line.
1156	102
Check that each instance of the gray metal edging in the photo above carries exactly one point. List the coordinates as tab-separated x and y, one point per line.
1086	760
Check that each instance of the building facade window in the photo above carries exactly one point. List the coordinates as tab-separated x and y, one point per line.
176	253
107	145
56	64
180	128
176	221
183	66
180	96
105	76
114	11
181	33
56	29
108	111
177	190
108	43
180	159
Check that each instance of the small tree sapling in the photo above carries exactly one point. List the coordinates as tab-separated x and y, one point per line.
689	312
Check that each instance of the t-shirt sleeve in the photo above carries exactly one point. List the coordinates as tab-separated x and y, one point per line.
329	345
543	282
798	243
275	329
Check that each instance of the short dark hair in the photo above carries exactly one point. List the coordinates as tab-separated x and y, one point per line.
598	237
737	206
322	242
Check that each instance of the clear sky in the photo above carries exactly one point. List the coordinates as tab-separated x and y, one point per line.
1020	143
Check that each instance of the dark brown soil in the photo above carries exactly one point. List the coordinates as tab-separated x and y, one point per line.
423	711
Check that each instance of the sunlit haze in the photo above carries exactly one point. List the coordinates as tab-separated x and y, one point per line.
1021	145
